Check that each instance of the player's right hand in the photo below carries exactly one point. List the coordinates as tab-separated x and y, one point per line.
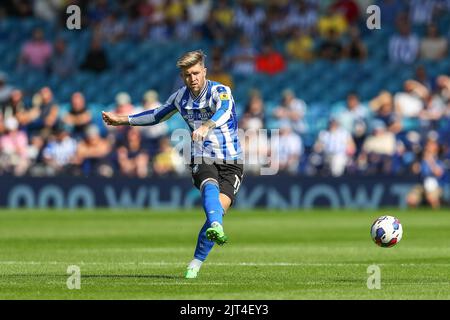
113	119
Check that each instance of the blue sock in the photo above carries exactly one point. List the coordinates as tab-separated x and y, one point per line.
204	246
211	203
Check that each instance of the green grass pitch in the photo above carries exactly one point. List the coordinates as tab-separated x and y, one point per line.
142	254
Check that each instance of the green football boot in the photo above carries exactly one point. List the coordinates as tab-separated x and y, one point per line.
191	272
215	233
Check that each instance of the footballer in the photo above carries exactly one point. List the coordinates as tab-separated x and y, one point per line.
216	156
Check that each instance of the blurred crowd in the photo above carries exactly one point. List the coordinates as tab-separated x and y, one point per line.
363	138
245	33
246	36
45	141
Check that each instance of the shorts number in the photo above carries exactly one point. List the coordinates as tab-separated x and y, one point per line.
237	184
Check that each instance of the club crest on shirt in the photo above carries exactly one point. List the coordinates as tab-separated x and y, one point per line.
224	96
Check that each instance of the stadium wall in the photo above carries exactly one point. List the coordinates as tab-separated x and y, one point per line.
277	192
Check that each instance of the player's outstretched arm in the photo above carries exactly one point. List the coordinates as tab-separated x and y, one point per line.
113	119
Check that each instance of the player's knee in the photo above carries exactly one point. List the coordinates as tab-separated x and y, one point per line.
209	184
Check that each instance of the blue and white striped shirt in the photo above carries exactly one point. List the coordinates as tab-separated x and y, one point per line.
215	102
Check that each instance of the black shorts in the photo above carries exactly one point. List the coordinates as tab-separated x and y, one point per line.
228	175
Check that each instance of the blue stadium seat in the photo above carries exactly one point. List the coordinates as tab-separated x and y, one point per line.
338	107
272	123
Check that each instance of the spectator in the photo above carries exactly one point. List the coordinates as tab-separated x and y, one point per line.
59	152
184	30
302	17
62	62
435	106
95	59
217	73
354	119
383	108
45	113
13	149
254	116
92	154
269	60
36	53
431	115
292	109
288	150
198	11
248	19
335	146
332	20
403	46
378	149
5	90
123	104
432	173
167	161
150	101
34	154
347	8
47	10
331	47
15	108
151	135
78	117
422	77
421	11
355	49
158	31
255	147
276	25
134	25
433	46
243	57
300	46
443	87
173	9
212	31
224	14
110	29
411	102
133	159
151	10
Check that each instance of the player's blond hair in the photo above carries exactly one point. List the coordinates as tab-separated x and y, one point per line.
191	58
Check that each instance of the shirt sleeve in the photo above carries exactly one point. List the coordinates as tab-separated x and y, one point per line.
224	105
152	117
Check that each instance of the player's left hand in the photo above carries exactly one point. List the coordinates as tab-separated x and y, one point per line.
200	134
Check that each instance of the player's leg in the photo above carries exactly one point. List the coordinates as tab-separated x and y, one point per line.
202	250
225	201
211	201
230	177
433	198
414	197
205	178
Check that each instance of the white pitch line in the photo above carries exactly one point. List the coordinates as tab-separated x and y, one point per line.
242	264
